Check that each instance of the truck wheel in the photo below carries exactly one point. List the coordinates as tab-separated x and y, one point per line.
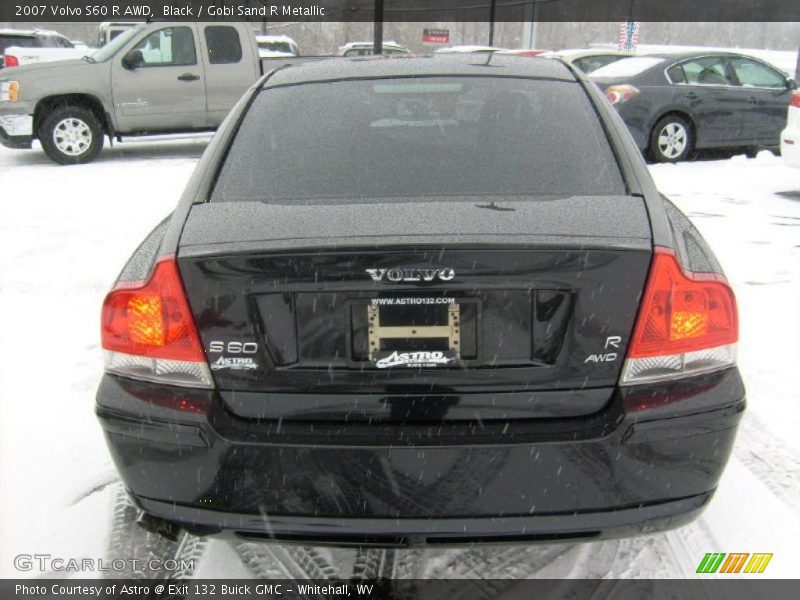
71	135
671	139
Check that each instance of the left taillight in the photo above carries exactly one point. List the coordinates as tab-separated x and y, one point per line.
687	324
11	60
148	331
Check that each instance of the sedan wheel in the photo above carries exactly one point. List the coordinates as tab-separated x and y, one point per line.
671	140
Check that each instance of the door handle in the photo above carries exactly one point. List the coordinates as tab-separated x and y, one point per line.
188	77
691	95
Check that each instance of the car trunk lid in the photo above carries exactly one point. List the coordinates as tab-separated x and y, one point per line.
416	310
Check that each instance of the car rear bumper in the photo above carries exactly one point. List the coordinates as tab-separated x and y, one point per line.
627	470
790	147
388	532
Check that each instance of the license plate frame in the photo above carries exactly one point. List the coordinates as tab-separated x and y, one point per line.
451	331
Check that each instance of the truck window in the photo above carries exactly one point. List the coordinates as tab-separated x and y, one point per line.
223	45
172	46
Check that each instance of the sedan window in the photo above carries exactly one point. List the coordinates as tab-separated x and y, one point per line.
751	73
628	67
675	74
709	70
588	64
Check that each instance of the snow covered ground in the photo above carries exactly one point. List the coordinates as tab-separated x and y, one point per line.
65	232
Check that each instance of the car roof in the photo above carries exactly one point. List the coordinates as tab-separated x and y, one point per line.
468	48
120	23
274	37
573	53
416	65
671	58
369	44
30	32
691	54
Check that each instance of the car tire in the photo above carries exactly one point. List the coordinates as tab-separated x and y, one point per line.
752	151
71	135
671	140
127	540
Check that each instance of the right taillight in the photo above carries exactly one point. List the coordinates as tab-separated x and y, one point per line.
617	94
795	99
687	324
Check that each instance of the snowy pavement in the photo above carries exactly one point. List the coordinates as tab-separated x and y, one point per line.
65	232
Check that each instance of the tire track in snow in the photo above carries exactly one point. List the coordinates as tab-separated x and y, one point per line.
269	560
670	554
497	562
93	486
770	460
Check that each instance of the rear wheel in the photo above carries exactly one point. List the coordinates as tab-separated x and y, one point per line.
671	139
71	135
128	541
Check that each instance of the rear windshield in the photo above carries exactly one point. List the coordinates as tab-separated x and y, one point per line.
628	67
33	41
276	46
7	41
419	137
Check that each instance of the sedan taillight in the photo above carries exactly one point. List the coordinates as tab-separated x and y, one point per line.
148	331
11	60
687	324
617	94
795	99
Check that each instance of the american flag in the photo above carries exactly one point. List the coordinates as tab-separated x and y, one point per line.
628	35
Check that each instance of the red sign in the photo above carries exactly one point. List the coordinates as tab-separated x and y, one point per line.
435	36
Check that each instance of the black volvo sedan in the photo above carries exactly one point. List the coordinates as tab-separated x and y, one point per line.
676	103
421	300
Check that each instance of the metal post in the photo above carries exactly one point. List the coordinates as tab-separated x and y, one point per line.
492	9
527	29
797	67
377	43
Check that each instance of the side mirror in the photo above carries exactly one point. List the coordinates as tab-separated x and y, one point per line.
133	60
791	84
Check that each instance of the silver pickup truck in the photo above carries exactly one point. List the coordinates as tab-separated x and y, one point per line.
155	78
